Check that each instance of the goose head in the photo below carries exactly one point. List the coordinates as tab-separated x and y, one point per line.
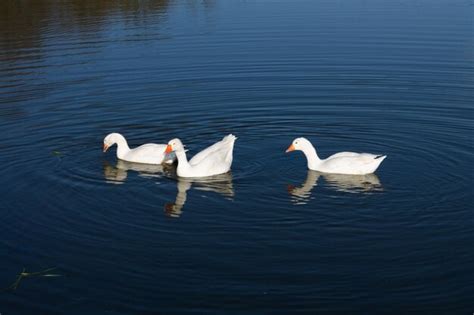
174	145
299	144
112	139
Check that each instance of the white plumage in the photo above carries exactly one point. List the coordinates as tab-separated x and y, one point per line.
214	160
340	163
149	153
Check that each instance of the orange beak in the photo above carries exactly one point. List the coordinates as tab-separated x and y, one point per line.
290	148
106	147
169	149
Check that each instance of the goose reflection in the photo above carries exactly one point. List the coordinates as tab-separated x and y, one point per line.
118	174
221	184
340	182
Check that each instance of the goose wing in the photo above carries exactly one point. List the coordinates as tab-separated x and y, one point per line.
216	153
147	153
343	154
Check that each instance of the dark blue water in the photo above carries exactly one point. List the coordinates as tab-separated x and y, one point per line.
388	77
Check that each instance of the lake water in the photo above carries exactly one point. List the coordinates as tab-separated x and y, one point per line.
389	77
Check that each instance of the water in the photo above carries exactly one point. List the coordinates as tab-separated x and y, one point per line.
389	77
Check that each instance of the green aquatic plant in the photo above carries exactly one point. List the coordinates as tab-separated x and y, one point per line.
22	275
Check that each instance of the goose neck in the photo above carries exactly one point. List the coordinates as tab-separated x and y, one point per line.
182	159
311	157
122	147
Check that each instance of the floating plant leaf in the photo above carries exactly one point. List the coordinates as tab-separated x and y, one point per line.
24	274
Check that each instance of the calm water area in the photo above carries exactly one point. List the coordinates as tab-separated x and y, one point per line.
270	237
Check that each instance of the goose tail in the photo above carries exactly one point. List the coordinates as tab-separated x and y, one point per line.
230	137
229	140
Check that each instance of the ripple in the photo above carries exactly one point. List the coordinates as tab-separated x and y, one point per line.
353	76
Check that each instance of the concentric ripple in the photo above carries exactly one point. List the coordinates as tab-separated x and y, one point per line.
383	77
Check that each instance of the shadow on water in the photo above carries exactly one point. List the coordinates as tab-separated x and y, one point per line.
31	23
26	20
32	32
29	28
339	182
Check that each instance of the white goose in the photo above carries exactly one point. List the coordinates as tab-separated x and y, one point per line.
339	163
213	160
149	153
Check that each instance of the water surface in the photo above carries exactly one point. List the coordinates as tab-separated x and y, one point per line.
388	77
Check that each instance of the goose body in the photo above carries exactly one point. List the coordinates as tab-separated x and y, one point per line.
214	160
340	163
149	153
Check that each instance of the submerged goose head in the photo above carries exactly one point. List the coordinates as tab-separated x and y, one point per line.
174	145
111	139
299	144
